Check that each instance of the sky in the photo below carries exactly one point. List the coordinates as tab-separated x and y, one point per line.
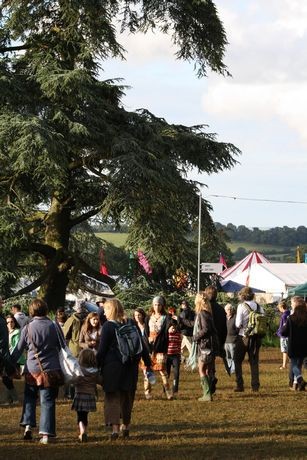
261	109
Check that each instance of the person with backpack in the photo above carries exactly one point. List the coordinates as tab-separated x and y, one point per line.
247	341
119	365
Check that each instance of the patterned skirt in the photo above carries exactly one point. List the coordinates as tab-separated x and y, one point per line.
84	403
158	361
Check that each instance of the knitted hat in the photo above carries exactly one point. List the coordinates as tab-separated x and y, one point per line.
159	299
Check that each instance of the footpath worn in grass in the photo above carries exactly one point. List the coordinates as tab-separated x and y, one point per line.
269	425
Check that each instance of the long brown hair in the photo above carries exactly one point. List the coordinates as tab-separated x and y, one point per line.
202	303
299	316
87	327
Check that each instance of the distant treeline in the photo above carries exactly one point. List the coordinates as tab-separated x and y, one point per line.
279	236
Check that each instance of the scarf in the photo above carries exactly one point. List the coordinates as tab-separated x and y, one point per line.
192	359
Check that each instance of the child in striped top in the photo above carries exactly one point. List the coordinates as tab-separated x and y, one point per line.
174	353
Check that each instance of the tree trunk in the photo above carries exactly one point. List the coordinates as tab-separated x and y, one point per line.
57	234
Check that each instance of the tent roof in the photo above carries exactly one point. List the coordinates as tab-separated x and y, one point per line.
291	274
232	286
253	258
301	290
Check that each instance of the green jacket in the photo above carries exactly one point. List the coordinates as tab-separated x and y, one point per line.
71	331
14	337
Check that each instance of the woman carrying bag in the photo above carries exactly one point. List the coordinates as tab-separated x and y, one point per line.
42	371
205	344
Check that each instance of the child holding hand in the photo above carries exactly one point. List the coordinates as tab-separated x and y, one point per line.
85	390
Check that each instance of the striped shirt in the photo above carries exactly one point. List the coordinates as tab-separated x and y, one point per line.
174	343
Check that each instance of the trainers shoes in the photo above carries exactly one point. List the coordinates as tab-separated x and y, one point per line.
44	440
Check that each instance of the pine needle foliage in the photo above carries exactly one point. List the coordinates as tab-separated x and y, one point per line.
70	151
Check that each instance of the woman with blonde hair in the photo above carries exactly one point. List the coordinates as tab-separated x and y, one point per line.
119	378
204	344
90	332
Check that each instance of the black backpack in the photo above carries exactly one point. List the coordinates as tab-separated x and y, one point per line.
129	341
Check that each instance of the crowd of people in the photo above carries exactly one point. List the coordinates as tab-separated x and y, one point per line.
191	337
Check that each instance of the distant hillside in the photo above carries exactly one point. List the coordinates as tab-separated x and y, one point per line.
274	253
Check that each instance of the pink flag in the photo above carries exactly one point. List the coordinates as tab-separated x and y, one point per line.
222	260
103	269
144	263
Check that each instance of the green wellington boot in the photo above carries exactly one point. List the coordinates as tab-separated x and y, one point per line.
204	382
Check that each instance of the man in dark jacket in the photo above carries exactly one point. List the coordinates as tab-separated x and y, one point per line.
220	323
185	317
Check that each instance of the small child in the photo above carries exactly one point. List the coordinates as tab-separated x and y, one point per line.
85	390
174	353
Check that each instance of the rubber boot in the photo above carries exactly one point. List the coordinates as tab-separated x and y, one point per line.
204	382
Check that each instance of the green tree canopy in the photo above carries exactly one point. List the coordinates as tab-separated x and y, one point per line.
70	151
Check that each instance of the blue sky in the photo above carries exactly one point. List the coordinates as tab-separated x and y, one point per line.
261	109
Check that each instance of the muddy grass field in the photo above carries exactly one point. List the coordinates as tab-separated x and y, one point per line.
269	425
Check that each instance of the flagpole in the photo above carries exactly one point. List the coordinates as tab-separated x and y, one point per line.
199	235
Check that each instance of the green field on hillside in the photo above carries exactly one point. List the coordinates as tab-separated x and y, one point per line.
118	239
268	248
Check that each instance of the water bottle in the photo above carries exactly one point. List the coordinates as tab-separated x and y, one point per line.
151	377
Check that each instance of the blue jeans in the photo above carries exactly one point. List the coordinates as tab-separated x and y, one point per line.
230	351
296	365
47	401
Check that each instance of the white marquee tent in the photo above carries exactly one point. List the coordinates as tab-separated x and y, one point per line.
273	278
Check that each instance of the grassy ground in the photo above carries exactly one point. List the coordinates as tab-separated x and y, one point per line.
268	425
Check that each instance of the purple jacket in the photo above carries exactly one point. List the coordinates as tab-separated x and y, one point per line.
39	336
283	320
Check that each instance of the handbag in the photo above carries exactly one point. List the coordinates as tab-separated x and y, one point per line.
47	379
69	364
206	352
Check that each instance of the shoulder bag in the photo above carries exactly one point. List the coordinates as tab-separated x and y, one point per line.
69	364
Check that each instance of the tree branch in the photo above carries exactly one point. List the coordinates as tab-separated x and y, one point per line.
9	49
88	270
38	282
85	216
43	249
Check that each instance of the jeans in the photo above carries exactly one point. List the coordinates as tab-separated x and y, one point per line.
250	346
173	361
47	401
230	350
296	365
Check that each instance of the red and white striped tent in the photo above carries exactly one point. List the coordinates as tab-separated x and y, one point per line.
240	272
